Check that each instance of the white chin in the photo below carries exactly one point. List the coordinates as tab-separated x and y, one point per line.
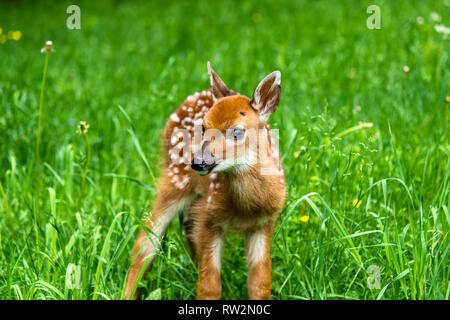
230	166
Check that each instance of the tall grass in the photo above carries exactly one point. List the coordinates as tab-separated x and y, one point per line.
376	197
46	50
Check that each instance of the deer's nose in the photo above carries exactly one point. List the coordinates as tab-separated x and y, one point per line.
203	161
201	165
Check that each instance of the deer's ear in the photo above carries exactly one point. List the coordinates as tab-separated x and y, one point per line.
219	88
267	95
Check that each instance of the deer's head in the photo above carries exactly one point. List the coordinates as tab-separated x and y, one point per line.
231	128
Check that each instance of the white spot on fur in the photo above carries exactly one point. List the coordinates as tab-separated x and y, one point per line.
199	115
174	139
180	185
198	122
174	157
213	176
174	117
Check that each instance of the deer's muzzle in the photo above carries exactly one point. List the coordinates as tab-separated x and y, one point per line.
203	161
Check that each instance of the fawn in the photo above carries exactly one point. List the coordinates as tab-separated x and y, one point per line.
217	192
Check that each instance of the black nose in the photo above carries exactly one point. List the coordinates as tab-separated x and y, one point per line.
199	164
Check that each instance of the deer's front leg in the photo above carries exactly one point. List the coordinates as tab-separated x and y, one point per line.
259	262
210	248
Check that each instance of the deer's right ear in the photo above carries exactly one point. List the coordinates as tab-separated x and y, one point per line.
219	88
267	95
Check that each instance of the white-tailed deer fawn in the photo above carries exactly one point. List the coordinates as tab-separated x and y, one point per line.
223	174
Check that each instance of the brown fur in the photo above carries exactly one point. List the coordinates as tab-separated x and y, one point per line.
230	201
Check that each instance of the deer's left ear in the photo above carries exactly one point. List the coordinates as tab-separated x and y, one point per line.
219	88
267	95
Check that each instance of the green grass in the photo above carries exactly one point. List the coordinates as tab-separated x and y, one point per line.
133	63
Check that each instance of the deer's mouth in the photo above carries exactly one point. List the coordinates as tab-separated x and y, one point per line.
202	167
204	172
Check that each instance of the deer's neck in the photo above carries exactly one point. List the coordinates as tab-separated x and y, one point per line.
249	191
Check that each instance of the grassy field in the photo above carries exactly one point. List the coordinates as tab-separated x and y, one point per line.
364	132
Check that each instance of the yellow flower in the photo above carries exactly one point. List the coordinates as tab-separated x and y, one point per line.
357	203
16	35
304	219
2	38
1	30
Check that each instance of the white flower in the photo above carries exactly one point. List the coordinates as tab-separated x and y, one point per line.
435	16
443	30
48	46
405	69
420	20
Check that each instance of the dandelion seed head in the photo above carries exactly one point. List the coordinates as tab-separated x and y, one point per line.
48	47
82	128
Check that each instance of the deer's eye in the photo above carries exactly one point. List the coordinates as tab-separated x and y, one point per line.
236	134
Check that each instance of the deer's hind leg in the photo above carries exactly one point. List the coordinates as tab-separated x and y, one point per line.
189	225
171	201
